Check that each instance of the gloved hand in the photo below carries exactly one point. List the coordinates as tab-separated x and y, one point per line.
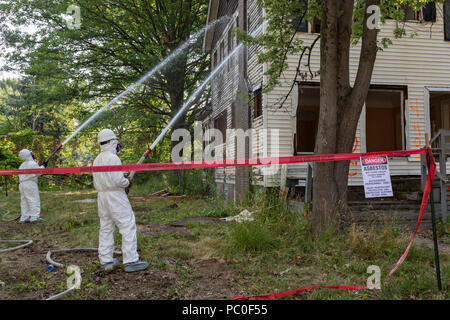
127	189
45	164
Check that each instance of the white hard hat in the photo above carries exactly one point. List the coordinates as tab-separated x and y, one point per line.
105	135
25	154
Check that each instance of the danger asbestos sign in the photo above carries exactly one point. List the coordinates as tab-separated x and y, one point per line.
376	176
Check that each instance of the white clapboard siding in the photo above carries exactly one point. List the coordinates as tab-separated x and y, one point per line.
255	70
416	62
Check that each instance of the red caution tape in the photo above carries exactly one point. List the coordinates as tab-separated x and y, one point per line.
426	194
213	164
292	292
258	162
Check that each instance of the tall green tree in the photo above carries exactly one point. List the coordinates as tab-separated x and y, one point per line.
117	42
343	23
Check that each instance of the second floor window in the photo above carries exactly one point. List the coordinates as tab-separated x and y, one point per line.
222	52
230	48
257	103
447	20
215	60
220	123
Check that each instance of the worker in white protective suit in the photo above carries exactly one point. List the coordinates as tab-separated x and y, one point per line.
114	209
30	203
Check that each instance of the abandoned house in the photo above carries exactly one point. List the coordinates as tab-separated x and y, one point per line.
409	94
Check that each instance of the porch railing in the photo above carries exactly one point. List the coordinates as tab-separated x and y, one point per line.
440	146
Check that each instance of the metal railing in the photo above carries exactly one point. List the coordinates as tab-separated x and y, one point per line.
440	148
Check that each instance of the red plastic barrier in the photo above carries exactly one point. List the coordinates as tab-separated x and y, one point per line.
426	194
213	164
258	162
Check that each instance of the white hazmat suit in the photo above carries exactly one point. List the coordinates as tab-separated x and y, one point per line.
30	204
114	209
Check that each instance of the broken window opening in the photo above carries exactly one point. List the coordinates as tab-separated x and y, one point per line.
220	123
257	103
439	112
385	127
446	20
215	60
308	111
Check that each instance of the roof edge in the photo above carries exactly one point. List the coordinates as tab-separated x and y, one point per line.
213	9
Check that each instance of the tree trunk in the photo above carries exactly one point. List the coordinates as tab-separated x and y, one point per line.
340	108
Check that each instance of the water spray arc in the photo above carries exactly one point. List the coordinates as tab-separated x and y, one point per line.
189	102
132	87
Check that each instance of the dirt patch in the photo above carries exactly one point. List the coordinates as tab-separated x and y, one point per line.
24	275
179	227
214	280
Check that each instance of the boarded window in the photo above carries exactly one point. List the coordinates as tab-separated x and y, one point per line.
429	12
411	14
222	51
308	111
257	103
447	20
230	48
300	25
384	120
233	115
220	123
206	137
315	26
439	112
215	60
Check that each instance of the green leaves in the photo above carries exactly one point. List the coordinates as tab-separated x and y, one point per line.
71	73
281	40
278	41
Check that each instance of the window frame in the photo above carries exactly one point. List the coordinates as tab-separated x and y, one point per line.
402	90
446	18
257	98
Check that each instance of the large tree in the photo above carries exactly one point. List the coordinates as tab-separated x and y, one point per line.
117	42
343	23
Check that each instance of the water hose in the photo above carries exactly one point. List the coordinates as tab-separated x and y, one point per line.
11	220
60	265
164	131
25	243
193	99
142	80
60	295
45	163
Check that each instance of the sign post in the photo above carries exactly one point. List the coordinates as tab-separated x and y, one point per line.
433	223
6	183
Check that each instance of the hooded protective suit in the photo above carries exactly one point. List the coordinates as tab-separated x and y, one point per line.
30	204
114	209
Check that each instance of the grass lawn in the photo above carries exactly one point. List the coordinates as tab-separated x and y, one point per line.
207	258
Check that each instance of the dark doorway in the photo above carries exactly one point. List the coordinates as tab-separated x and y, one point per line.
307	119
439	111
384	120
